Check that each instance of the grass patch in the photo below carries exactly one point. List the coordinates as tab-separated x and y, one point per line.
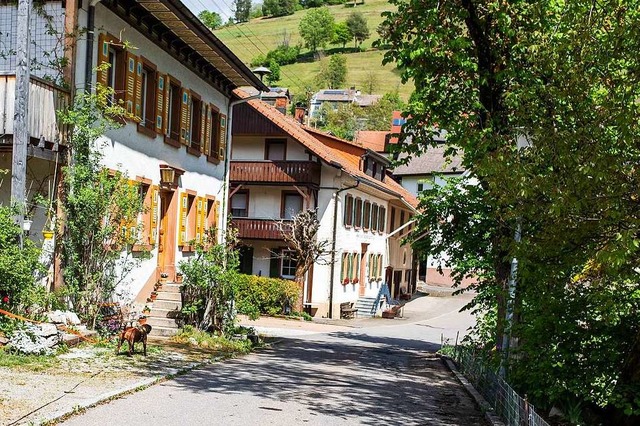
264	34
200	339
9	359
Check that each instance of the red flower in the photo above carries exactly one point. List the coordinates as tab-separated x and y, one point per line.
5	299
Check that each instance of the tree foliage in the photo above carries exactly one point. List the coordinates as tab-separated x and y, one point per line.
316	28
558	75
342	34
333	73
358	27
241	10
211	19
277	8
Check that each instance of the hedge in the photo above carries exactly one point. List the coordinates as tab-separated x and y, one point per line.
263	295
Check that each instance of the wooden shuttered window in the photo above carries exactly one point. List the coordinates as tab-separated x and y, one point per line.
206	140
182	219
222	132
200	219
154	215
137	104
203	126
161	104
130	83
103	58
185	117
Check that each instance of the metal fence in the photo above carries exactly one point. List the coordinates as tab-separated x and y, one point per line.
508	405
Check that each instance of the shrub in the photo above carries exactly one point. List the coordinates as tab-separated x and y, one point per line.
262	295
283	54
19	290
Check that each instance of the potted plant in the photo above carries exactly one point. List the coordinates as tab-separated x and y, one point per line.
179	277
142	319
146	310
154	295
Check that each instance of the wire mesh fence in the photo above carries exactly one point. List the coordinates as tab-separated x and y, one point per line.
508	405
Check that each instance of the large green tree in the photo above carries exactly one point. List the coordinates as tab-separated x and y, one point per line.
316	28
358	27
277	8
561	76
241	10
211	19
333	73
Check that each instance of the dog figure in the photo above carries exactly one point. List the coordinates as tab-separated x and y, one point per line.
133	335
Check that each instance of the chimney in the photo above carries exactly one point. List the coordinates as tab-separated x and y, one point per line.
299	115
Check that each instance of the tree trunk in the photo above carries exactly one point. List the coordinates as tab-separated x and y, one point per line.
300	275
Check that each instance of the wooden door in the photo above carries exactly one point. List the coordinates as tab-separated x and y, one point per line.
167	234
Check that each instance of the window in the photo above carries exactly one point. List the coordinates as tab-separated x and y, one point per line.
358	218
420	187
382	224
148	95
366	215
187	218
275	149
374	217
195	129
350	269
291	205
393	220
174	102
240	204
375	267
401	218
288	264
213	150
348	210
111	74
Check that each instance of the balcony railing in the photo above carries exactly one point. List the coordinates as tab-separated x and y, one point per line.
45	100
292	172
257	229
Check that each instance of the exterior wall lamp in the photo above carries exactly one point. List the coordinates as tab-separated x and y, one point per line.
169	176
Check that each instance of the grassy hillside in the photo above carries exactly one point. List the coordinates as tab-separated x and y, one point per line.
264	34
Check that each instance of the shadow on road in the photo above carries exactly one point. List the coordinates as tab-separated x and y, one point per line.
348	375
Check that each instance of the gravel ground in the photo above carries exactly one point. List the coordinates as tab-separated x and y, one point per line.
33	393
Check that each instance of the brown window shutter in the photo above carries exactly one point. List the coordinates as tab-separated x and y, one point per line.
203	125
103	58
166	124
223	136
160	103
185	117
138	97
207	132
130	82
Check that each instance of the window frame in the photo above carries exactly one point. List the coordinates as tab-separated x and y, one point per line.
214	135
148	98
289	256
374	217
174	97
357	223
366	215
348	210
195	123
268	142
382	222
283	197
246	193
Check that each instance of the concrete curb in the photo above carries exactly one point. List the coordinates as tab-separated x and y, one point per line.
489	413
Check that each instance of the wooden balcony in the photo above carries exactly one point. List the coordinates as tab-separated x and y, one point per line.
45	100
257	229
269	172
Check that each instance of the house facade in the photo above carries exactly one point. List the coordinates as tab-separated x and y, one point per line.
176	81
278	168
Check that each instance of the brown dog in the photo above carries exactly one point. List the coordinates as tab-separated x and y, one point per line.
133	335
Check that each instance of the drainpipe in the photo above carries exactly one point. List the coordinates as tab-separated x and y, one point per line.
333	243
227	160
88	70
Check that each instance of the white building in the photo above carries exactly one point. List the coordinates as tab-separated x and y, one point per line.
177	79
336	97
278	168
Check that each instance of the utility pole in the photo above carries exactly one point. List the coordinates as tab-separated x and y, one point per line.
21	115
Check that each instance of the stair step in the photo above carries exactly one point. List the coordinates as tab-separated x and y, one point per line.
169	288
162	322
167	304
163	313
163	331
164	295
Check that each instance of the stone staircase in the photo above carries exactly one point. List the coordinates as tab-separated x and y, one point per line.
164	310
365	307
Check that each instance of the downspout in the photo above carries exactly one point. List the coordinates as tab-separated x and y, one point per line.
227	161
333	243
88	70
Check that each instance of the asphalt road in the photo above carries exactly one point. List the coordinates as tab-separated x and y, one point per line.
378	372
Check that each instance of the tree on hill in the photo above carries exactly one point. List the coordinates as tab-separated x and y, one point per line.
357	24
342	34
211	19
241	10
277	8
333	73
316	28
553	78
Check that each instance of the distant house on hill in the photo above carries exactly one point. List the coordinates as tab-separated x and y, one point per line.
278	97
335	97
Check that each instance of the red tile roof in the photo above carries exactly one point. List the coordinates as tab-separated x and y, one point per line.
372	139
335	151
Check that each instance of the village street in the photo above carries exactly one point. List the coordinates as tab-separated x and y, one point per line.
374	372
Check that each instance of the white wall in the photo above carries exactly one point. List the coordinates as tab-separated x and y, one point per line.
253	148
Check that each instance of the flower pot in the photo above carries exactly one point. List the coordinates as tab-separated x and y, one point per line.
48	235
142	320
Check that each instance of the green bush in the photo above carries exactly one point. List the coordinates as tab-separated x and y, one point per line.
19	291
262	295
